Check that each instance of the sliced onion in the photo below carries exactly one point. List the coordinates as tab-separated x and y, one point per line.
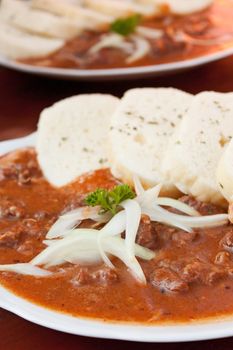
81	246
149	196
138	185
25	269
49	242
59	249
164	219
83	257
111	40
150	205
136	49
68	221
116	246
181	36
150	33
114	227
199	221
142	47
144	253
176	204
133	217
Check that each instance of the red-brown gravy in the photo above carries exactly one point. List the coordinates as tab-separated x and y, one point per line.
190	278
215	22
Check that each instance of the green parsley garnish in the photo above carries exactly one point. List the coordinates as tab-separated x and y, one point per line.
125	26
109	200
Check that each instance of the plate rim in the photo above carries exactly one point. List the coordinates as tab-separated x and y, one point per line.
179	332
117	72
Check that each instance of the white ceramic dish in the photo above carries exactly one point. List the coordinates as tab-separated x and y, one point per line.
99	329
116	73
211	329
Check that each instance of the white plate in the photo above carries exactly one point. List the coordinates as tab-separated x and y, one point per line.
93	328
211	329
116	73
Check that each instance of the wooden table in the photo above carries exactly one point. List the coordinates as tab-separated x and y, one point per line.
22	97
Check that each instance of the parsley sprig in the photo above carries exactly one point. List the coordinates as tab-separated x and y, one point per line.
125	26
109	200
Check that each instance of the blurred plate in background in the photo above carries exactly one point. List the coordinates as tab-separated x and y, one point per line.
116	73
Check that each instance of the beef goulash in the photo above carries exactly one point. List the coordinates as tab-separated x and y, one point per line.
101	34
84	232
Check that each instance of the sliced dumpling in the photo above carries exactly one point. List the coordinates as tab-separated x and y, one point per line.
73	9
225	171
197	146
19	13
73	137
121	8
140	130
180	7
17	44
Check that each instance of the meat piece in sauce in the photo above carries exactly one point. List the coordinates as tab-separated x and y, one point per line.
222	258
105	275
197	25
194	271
201	207
23	173
167	280
102	275
11	209
205	273
227	241
181	238
146	235
11	238
24	236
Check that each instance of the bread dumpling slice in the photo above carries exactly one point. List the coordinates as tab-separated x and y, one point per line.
74	10
140	130
184	7
18	44
19	14
72	137
181	7
198	144
225	171
120	8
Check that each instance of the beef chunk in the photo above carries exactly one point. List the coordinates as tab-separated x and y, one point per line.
21	234
103	276
26	248
10	238
11	209
201	207
198	271
167	281
146	235
197	25
227	241
167	44
181	238
222	258
12	169
194	271
32	227
41	215
82	277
